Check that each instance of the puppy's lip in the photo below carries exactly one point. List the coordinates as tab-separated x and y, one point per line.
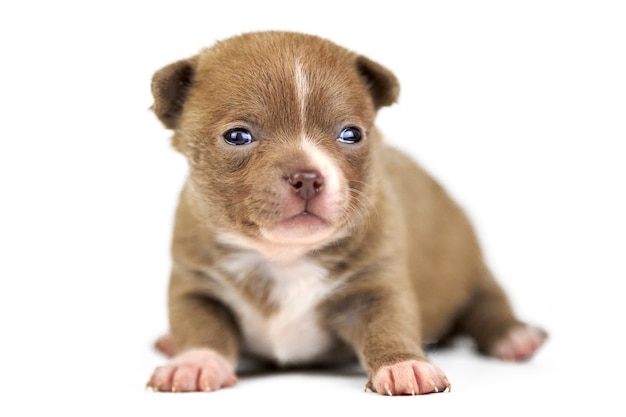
304	225
304	219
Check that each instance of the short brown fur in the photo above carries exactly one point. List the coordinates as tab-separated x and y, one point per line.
406	262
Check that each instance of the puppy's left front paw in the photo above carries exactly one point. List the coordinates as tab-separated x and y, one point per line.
409	378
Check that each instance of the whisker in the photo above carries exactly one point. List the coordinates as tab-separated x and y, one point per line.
356	214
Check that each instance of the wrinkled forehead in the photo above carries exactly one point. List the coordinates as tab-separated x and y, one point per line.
283	87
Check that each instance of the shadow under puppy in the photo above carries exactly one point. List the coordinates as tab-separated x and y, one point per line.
300	237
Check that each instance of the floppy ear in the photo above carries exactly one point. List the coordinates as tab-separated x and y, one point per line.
170	86
383	85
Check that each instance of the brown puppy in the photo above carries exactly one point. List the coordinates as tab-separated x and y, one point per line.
301	237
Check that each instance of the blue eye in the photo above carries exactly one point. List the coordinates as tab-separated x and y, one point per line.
350	135
238	136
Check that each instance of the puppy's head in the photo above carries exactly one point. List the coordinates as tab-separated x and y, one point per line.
278	130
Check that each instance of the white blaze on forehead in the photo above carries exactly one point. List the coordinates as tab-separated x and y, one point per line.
317	157
302	91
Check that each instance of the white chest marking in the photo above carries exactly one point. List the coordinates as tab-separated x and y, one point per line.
292	333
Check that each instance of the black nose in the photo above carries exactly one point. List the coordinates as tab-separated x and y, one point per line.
306	183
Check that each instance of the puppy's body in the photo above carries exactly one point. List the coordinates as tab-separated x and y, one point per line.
300	236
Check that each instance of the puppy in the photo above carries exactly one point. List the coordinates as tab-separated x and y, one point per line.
300	237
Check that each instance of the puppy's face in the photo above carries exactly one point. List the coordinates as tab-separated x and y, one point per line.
277	129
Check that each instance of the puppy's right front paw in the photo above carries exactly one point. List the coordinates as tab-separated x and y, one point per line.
194	370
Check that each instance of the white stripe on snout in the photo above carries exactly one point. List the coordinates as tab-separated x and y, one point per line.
302	91
334	181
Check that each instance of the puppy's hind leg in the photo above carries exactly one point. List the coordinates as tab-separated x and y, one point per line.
165	345
489	320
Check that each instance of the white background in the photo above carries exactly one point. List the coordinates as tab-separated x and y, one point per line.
519	108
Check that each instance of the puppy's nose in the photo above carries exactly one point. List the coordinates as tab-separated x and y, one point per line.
306	183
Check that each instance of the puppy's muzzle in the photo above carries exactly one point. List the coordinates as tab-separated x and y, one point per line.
307	184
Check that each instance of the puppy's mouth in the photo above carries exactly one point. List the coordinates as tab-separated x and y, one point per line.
304	227
304	220
307	203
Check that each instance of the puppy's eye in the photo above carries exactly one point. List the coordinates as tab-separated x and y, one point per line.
238	136
350	135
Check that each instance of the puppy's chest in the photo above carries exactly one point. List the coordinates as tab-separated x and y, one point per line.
276	306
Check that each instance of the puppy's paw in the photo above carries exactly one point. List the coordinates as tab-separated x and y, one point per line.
194	370
519	344
409	378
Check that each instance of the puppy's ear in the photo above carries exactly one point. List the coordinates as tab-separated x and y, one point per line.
383	85
170	86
